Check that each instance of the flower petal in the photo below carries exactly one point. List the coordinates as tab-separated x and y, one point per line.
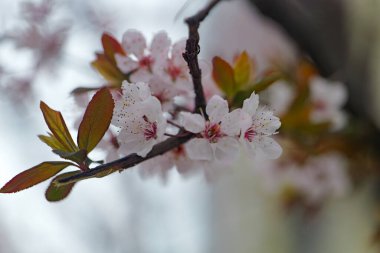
216	109
160	45
199	149
125	63
134	43
250	104
269	148
193	122
231	122
226	148
265	122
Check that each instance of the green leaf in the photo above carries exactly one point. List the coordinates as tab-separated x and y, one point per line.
223	75
96	120
33	176
58	127
242	70
78	156
57	192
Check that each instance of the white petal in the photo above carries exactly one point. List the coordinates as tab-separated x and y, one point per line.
125	63
141	75
193	122
226	148
134	43
199	149
216	109
265	122
160	45
130	143
178	49
269	148
250	104
231	123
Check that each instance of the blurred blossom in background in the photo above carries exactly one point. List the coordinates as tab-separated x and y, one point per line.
305	204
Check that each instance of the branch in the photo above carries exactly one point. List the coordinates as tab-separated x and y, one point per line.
191	54
191	57
128	161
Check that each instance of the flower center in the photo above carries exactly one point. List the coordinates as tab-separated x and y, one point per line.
146	62
212	132
150	129
174	72
249	134
320	105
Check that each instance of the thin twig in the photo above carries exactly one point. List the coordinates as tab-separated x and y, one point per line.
191	57
192	51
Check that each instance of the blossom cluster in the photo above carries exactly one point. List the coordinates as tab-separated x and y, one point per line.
156	99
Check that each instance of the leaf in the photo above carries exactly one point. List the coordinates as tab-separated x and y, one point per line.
81	90
242	70
108	70
111	46
78	156
57	192
223	75
33	176
257	88
51	141
96	120
58	127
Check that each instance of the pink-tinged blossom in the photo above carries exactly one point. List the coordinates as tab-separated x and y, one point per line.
142	60
319	178
328	99
161	165
139	117
257	126
216	137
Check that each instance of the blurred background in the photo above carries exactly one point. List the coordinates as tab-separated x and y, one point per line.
46	47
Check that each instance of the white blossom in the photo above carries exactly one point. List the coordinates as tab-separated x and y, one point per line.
328	99
216	137
140	59
139	117
319	178
257	125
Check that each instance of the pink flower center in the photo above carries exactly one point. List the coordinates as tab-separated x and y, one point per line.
174	72
146	62
212	132
249	134
320	105
150	129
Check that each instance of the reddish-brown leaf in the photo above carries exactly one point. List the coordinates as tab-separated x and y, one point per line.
223	75
111	46
57	192
58	127
96	120
33	176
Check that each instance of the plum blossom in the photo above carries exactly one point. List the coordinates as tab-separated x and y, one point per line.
327	99
216	137
142	61
161	165
319	178
257	127
139	116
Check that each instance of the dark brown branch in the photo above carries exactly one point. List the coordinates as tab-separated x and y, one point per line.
128	161
191	57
